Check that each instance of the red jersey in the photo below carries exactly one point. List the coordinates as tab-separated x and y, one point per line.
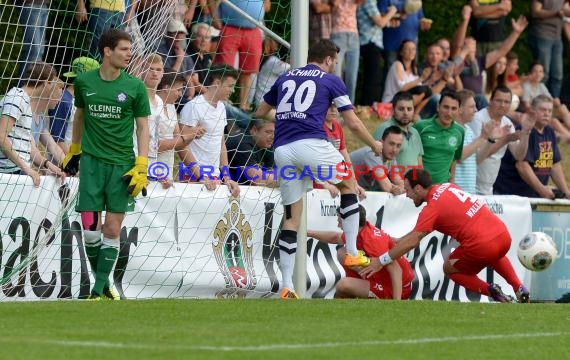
459	214
336	137
512	78
375	242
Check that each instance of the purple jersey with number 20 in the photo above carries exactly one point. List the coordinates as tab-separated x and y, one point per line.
302	98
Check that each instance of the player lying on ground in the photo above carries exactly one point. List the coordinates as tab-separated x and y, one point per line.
392	282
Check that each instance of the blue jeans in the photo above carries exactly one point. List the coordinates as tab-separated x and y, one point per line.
349	55
34	19
99	21
241	118
430	110
481	101
549	54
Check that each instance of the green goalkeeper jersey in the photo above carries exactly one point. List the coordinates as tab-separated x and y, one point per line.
110	109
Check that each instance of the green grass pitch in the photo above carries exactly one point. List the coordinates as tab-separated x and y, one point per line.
275	329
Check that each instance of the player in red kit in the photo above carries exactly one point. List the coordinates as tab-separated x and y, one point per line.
335	135
392	282
483	238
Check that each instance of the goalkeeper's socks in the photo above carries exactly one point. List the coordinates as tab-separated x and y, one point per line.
92	245
350	215
287	250
107	256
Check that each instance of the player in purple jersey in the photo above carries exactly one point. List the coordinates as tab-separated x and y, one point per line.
301	98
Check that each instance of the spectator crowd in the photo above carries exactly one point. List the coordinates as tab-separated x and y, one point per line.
463	110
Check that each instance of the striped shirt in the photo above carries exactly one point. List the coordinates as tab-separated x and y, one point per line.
369	32
16	104
466	171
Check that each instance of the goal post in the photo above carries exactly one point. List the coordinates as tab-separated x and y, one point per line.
39	232
299	51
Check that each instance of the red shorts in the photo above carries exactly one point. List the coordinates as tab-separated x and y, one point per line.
382	290
473	259
247	42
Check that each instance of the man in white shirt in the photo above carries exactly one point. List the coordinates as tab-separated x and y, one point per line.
489	158
206	154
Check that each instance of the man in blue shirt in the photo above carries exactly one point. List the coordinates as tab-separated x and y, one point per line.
410	25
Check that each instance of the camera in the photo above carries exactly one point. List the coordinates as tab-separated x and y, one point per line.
558	194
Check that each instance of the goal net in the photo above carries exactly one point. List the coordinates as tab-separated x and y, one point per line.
184	241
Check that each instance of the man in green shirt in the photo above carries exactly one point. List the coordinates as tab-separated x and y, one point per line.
442	139
109	101
411	151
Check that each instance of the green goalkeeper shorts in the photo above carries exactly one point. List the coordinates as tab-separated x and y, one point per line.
101	187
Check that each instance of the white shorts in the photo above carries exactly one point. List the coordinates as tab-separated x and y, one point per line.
302	161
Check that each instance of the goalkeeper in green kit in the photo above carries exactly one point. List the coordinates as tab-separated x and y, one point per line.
109	101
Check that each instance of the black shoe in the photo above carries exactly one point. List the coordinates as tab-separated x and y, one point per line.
110	294
498	295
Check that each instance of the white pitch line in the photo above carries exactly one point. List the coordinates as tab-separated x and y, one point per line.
132	346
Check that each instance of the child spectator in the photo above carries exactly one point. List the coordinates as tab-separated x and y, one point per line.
169	138
335	136
512	80
61	117
152	72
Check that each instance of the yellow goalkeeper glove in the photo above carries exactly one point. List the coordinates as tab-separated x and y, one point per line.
70	164
137	177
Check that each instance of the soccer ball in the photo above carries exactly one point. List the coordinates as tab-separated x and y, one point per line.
537	251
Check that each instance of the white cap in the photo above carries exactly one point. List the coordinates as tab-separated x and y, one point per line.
213	31
176	26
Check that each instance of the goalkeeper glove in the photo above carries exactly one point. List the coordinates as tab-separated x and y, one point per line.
137	177
70	164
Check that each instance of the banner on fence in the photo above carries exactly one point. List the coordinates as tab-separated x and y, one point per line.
553	282
187	242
